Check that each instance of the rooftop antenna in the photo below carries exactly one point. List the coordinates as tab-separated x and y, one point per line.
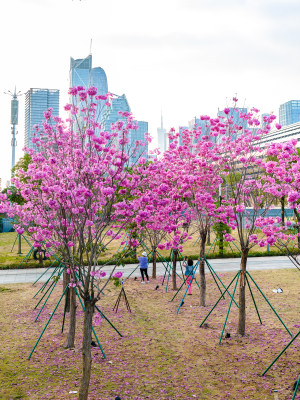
91	46
14	122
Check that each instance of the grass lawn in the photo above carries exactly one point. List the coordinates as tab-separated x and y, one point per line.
162	355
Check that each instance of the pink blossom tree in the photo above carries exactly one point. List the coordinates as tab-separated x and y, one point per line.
78	192
284	166
249	185
162	212
195	178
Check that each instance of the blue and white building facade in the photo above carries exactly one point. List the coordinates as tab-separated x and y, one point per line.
120	104
289	112
36	102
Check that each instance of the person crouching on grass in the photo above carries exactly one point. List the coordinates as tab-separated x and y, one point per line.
144	266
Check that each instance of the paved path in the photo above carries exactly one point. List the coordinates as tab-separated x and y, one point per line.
220	265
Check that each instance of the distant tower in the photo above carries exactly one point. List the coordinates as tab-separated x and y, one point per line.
162	136
14	123
36	102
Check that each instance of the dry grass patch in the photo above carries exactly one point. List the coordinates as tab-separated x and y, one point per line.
162	355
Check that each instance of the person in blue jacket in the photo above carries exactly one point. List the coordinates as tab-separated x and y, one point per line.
189	265
144	266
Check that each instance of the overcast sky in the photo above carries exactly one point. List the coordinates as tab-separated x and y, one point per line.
186	57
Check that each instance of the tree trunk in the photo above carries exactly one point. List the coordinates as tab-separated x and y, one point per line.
221	239
175	252
297	227
208	237
66	281
154	264
41	261
72	323
282	210
242	295
202	269
86	350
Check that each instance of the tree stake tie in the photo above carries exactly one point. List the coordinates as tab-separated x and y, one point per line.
243	278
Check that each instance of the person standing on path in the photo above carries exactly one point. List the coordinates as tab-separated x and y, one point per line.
189	266
144	266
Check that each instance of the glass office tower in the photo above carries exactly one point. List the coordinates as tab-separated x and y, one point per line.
120	104
36	102
80	71
289	112
139	134
235	115
82	74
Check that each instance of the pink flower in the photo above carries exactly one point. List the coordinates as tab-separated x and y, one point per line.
82	96
20	231
70	244
92	91
73	91
89	132
118	274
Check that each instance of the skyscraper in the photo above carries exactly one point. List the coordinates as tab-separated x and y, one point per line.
162	137
235	113
120	104
289	112
82	74
139	134
36	102
200	126
80	71
181	130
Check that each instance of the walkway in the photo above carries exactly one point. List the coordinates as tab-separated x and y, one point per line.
220	265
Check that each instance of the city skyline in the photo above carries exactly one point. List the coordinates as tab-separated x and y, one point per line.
200	55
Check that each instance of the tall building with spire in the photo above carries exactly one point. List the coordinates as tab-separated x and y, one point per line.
162	138
82	74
